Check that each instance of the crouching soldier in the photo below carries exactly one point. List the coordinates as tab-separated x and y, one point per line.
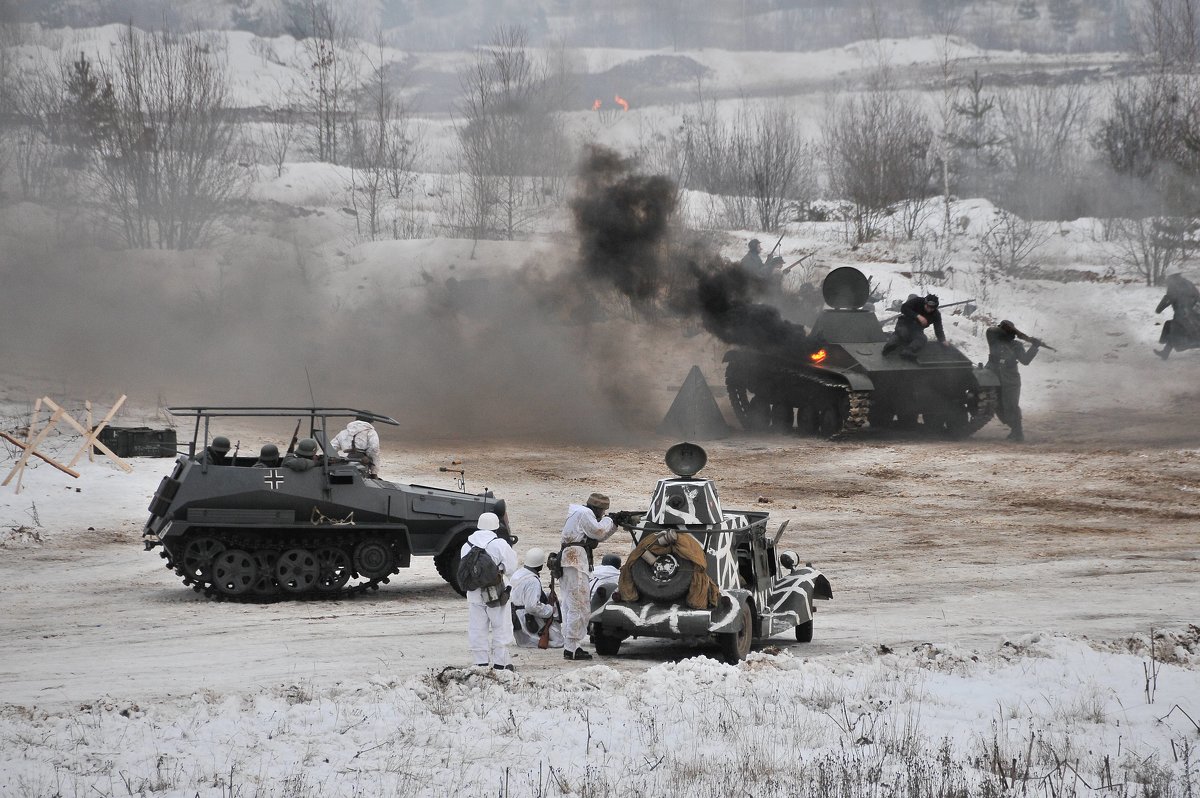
533	610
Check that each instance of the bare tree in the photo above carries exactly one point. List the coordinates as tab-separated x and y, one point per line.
1010	244
329	66
878	147
1043	130
168	164
277	135
509	137
1149	248
1169	32
383	154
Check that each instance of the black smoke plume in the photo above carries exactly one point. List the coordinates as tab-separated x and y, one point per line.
626	242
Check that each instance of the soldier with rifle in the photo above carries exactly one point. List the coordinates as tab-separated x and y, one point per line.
537	621
1183	331
753	263
1004	354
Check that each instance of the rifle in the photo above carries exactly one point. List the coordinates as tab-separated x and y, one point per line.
1038	342
946	305
771	254
295	437
552	599
797	262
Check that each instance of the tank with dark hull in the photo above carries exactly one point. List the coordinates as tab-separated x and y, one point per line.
840	382
242	533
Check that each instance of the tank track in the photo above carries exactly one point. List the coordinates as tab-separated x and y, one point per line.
856	419
272	592
858	416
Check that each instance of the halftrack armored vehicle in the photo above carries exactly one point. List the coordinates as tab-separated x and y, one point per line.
244	533
752	591
839	381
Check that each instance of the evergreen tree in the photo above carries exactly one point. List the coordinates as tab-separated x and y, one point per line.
1027	10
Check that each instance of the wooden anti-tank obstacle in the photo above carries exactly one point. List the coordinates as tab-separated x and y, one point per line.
34	438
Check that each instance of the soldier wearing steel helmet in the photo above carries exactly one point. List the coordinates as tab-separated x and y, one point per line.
305	456
216	453
268	456
532	609
587	525
1005	352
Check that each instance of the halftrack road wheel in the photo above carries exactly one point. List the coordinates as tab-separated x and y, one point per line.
297	571
334	567
198	556
234	572
265	584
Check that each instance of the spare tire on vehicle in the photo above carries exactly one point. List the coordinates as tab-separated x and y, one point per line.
667	580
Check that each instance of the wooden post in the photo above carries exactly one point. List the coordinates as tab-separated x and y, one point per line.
91	452
39	455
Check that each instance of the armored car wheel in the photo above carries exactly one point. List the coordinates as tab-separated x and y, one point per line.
447	562
373	559
666	580
334	567
804	632
736	645
297	571
606	645
198	556
234	572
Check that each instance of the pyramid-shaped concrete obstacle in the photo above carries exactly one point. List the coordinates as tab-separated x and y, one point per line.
694	414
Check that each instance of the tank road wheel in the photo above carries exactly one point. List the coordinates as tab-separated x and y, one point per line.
334	567
234	572
297	571
198	555
265	585
804	632
374	559
758	414
666	580
736	645
781	418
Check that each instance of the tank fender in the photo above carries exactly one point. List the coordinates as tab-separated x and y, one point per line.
727	616
858	382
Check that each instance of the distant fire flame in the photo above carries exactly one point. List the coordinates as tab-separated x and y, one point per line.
818	356
596	105
621	102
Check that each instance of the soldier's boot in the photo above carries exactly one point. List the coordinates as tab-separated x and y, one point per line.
1016	435
1164	353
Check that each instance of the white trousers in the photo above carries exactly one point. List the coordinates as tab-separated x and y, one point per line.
575	597
490	633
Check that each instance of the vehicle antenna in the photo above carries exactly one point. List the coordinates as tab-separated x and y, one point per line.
312	397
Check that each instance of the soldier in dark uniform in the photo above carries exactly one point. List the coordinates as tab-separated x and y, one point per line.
916	314
1183	331
305	456
1004	353
216	453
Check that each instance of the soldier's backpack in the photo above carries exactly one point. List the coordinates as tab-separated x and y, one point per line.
477	570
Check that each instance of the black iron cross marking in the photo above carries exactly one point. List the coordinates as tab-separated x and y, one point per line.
273	479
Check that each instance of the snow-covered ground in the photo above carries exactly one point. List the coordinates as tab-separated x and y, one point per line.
1006	620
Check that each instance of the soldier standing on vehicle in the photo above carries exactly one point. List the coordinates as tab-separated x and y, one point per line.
586	526
1004	353
532	608
916	314
359	443
489	623
1183	331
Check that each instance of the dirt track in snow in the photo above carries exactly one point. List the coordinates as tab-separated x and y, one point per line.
1092	528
